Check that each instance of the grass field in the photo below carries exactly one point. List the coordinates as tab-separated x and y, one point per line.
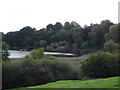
111	82
74	60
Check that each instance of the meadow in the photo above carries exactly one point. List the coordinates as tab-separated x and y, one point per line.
111	82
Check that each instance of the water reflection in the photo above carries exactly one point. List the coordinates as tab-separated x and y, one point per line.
21	54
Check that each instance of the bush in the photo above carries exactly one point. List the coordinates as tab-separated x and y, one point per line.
10	76
50	57
36	54
34	71
100	65
110	46
27	56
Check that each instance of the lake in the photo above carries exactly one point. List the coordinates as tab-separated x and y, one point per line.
21	54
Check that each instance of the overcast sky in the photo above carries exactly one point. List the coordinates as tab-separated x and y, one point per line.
16	14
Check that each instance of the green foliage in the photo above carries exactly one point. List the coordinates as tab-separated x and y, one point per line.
36	54
33	72
50	57
20	39
97	34
68	26
27	56
100	65
58	26
57	36
113	33
58	47
74	38
5	52
110	46
42	43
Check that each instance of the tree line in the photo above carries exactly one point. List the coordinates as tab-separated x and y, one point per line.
70	37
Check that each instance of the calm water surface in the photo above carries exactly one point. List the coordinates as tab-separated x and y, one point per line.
21	54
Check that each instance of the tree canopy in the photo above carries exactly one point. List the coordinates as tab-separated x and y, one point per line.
70	37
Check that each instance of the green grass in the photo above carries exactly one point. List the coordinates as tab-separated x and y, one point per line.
76	61
111	82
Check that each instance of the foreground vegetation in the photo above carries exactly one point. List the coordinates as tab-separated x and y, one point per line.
111	82
29	71
26	72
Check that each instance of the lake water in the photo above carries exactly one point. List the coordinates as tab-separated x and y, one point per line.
21	54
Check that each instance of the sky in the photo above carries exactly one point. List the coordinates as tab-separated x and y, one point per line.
16	14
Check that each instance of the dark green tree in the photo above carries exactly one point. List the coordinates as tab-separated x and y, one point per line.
100	65
68	26
58	26
110	46
97	34
113	33
5	52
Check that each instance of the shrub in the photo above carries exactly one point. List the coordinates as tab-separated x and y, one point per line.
27	56
36	54
50	57
100	65
110	46
10	76
34	71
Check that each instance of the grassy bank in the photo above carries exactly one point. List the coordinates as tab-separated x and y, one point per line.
76	61
111	82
